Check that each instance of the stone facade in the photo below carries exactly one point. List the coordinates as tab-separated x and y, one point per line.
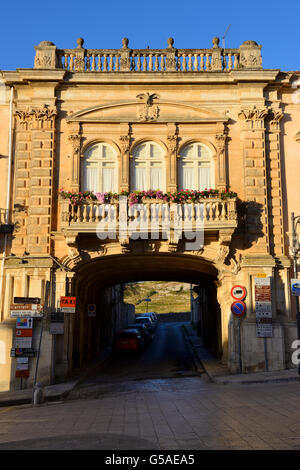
247	116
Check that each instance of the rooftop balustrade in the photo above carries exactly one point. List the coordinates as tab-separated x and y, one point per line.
170	59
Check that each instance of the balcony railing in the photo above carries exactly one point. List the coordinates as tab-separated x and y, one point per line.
170	59
210	214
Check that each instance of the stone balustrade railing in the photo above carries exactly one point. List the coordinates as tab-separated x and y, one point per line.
248	55
212	212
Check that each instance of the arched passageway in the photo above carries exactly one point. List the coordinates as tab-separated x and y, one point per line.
99	281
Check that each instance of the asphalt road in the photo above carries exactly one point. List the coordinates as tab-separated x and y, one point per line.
168	356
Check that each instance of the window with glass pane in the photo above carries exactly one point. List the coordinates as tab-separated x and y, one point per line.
148	168
195	168
99	169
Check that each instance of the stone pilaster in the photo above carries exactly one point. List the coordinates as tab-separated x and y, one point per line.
22	180
276	228
172	143
35	146
220	160
125	145
254	153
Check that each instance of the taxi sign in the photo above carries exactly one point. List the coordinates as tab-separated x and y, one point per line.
238	292
238	308
68	304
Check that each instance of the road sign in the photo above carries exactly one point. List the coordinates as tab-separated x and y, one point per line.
22	352
26	310
91	310
263	306
238	292
24	332
57	328
25	322
68	304
238	308
295	287
264	328
23	342
22	374
27	300
22	363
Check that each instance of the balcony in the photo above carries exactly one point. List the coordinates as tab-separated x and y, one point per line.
120	220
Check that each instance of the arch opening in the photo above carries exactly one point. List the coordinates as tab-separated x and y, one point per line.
102	282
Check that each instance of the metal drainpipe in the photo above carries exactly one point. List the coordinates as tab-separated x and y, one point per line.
10	137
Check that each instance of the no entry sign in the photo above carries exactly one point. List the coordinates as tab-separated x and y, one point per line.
238	308
238	292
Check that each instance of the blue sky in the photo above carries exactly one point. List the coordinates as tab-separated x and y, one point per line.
192	23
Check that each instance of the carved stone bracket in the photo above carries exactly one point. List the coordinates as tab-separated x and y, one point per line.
125	245
72	244
173	244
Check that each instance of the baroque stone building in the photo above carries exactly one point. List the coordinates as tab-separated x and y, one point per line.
170	119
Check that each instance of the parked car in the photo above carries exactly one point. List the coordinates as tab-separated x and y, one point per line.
147	322
128	339
143	330
152	315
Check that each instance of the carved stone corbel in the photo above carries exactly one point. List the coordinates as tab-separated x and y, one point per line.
125	245
173	244
72	244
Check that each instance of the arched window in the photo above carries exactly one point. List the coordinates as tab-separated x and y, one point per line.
100	169
196	168
148	168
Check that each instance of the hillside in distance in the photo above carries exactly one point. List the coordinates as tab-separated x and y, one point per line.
165	296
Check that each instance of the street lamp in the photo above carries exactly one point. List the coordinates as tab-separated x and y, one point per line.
295	248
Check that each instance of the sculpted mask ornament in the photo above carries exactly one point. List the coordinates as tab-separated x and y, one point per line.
148	112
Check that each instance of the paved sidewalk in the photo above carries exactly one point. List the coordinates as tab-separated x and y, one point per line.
55	392
219	373
215	370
